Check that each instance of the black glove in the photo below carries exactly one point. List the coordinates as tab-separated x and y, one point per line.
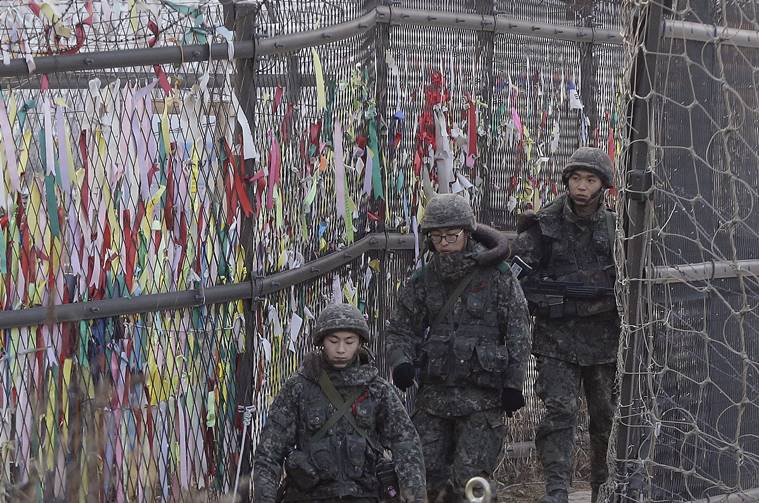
403	376
511	400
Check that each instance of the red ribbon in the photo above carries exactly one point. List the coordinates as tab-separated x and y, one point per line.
284	130
611	147
277	99
155	31
313	136
168	209
239	187
163	81
131	252
35	8
260	180
80	39
26	252
182	237
91	11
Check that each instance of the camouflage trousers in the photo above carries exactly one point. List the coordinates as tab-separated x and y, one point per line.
457	449
558	386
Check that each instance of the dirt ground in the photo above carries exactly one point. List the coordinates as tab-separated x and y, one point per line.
521	480
529	492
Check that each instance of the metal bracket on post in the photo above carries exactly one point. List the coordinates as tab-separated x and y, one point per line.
639	185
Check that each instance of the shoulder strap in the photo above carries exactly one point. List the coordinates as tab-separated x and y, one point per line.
546	256
343	410
452	299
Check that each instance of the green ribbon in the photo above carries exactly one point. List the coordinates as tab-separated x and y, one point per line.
376	161
84	337
3	248
496	124
222	266
328	113
23	110
52	206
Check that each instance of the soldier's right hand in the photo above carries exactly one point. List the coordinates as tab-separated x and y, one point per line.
403	376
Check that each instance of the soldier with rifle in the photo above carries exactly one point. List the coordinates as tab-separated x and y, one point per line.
568	245
332	424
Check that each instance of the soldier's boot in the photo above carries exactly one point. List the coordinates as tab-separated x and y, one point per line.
594	492
555	496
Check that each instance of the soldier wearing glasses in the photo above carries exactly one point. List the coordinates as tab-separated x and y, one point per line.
460	330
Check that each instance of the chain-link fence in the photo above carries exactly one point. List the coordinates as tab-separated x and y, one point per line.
170	178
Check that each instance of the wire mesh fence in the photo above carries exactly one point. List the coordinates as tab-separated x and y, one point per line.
686	430
160	178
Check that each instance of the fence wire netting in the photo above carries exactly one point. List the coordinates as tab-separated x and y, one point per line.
687	428
132	181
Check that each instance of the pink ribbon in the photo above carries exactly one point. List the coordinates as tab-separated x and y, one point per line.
275	159
337	140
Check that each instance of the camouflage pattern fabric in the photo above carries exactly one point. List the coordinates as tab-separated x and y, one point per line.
341	464
480	347
581	349
457	449
448	210
558	386
591	159
578	250
336	317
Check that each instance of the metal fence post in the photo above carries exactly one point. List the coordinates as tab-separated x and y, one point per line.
381	82
245	87
637	208
588	70
485	51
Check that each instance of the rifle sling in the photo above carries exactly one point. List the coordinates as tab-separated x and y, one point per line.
451	300
343	410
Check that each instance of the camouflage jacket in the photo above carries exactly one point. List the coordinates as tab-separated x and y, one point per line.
340	463
479	347
561	246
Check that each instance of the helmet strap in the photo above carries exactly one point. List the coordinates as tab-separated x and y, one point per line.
595	197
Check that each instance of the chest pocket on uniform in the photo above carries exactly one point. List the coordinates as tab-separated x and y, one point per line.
322	454
316	415
461	366
436	350
493	365
476	304
355	456
562	260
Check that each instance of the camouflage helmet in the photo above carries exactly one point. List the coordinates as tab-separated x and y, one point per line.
448	211
336	317
590	159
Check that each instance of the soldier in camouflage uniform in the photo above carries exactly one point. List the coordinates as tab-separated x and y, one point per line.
329	455
469	355
571	239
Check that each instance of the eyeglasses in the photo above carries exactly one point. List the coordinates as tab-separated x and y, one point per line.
450	237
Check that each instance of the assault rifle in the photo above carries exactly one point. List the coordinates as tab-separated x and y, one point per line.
558	299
